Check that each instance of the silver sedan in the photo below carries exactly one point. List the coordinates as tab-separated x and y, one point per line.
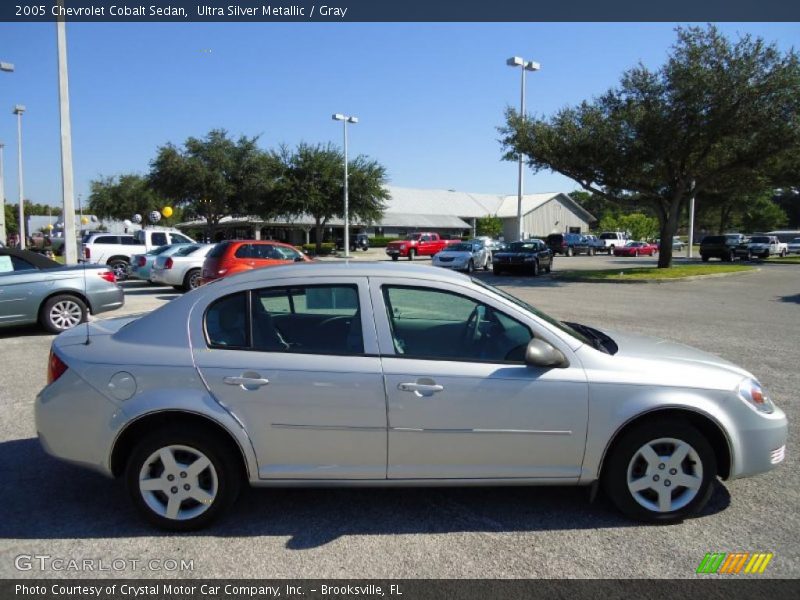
368	374
35	289
181	269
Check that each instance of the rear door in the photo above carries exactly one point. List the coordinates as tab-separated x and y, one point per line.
298	367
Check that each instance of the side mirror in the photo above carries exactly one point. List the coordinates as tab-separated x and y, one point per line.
543	355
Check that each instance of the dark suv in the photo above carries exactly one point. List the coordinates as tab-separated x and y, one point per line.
568	244
358	241
722	247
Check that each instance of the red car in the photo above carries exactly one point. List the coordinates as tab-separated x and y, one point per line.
235	256
636	249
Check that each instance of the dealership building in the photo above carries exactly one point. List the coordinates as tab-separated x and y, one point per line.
409	210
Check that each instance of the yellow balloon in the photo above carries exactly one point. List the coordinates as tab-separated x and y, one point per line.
49	226
84	220
167	211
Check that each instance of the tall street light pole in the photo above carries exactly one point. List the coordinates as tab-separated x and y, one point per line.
67	182
7	68
18	110
525	65
345	120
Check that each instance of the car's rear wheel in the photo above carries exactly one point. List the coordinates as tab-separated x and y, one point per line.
182	480
704	258
62	312
191	280
120	269
660	471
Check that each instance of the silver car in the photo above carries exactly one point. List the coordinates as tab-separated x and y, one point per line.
182	269
35	289
368	374
142	264
466	256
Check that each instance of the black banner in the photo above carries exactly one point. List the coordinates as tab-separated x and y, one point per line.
733	588
398	11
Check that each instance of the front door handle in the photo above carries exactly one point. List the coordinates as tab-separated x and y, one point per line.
420	389
247	383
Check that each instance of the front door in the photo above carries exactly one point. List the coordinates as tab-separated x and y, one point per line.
462	403
297	366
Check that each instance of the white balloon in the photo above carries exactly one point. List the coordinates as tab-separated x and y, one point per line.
137	218
154	216
127	223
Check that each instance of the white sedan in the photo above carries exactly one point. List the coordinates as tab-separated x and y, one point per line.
182	269
466	256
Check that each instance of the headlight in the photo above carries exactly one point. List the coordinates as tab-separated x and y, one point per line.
751	391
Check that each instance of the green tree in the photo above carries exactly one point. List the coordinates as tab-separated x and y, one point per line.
489	225
121	197
215	176
717	112
311	182
638	225
763	214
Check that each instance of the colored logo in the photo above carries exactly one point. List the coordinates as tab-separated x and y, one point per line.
733	563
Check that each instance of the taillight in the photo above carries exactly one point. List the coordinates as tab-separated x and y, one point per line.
141	261
169	263
55	367
108	276
86	253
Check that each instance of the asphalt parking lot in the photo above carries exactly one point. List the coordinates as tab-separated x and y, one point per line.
50	508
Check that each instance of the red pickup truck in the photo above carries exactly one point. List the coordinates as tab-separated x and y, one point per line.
418	244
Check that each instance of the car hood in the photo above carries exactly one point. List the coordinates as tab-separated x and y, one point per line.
657	360
509	254
454	254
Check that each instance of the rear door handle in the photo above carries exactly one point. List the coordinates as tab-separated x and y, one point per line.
420	389
248	383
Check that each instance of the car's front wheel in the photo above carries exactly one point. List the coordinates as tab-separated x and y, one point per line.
661	471
182	480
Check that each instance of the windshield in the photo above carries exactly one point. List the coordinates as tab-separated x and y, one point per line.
522	247
413	236
460	248
760	239
524	305
287	253
159	250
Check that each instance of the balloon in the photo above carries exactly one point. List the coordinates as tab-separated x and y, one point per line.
137	218
127	223
84	220
167	211
154	216
49	227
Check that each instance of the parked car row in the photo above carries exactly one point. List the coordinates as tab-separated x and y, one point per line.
730	246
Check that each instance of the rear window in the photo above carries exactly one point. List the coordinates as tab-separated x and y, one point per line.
159	238
106	239
554	237
760	239
187	250
713	239
608	236
219	250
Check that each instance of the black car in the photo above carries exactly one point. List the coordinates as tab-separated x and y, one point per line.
569	244
529	256
722	247
358	241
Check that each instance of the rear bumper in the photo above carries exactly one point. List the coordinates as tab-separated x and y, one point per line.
106	300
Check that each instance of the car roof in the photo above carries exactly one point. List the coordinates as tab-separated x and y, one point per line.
37	260
343	269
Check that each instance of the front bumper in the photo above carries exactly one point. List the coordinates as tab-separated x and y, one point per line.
761	444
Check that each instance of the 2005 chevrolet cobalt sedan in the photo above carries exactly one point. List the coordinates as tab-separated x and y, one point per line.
377	374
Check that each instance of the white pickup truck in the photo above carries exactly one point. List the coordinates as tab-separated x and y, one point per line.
762	246
613	239
116	250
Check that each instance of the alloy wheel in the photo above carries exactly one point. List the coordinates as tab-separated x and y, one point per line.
665	475
66	314
178	482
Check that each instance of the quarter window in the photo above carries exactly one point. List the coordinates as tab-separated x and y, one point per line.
435	324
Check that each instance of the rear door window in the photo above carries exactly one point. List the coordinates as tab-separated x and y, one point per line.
158	238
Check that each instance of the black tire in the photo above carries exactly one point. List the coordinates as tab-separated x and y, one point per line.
191	280
394	257
783	254
226	465
549	267
62	312
590	252
615	472
120	268
411	254
495	270
636	253
535	268
704	258
731	257
470	266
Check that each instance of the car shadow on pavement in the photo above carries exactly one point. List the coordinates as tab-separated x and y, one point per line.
793	298
43	498
19	331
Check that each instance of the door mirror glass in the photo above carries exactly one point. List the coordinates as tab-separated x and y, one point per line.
543	355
